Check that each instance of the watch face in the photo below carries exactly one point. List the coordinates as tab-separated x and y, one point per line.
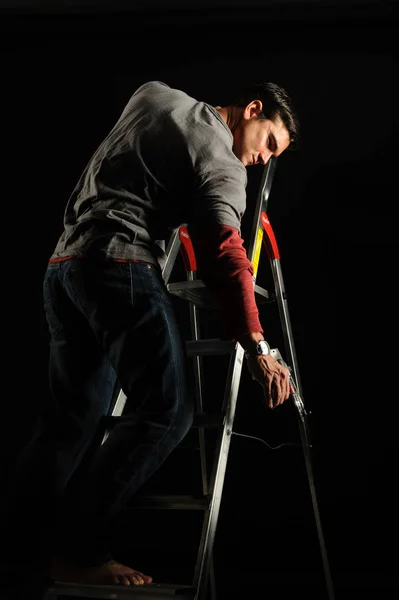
263	347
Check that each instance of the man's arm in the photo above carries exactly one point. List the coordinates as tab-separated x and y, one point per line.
228	273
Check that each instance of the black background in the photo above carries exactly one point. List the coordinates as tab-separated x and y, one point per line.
66	78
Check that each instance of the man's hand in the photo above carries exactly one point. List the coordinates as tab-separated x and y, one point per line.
272	376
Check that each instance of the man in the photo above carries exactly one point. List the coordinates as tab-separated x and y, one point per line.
168	160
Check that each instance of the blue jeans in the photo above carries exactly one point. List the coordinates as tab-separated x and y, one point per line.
108	322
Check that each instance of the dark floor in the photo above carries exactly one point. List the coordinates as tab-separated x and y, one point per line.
272	553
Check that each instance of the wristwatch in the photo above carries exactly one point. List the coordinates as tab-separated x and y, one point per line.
261	347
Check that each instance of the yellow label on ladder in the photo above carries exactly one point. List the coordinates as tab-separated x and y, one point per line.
258	248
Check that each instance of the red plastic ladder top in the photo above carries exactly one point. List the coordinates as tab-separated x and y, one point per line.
187	249
188	253
270	239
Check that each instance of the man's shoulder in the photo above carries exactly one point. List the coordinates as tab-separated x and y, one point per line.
148	85
159	96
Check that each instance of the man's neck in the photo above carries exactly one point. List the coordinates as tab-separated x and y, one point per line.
231	115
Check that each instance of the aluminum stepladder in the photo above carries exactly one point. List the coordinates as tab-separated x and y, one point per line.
194	291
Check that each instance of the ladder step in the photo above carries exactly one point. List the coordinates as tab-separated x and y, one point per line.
211	347
193	291
262	296
196	292
170	502
203	420
152	591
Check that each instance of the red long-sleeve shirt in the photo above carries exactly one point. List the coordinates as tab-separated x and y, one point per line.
228	273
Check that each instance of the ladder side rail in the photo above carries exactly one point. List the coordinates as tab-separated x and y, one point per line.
281	297
282	304
304	433
190	263
171	252
198	388
218	474
306	446
273	253
116	411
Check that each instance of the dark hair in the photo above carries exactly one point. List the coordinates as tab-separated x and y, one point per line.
276	104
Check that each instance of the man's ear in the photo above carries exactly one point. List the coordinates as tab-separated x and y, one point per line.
253	109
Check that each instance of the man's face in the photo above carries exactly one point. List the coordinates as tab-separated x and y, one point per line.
256	140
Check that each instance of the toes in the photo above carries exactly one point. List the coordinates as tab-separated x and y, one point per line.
128	579
146	578
121	580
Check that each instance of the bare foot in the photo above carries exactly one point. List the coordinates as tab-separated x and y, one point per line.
111	573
